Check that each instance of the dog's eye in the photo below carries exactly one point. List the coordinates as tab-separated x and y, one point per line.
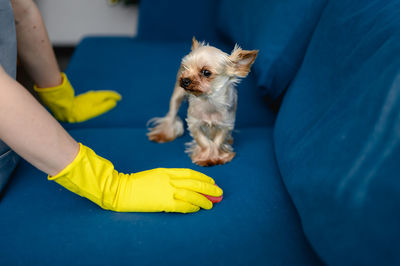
206	73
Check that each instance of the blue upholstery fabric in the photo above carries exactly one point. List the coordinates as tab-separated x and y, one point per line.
183	20
255	224
279	29
337	136
144	72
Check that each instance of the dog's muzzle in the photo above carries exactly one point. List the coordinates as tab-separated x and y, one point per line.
185	82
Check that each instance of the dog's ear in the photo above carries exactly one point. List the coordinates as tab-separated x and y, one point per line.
241	61
195	43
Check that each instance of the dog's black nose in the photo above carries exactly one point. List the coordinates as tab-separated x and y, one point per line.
185	82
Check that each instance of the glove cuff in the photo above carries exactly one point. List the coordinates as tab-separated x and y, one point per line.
64	83
89	175
59	99
69	168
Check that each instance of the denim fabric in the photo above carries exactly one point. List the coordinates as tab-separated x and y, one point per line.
8	41
8	59
8	161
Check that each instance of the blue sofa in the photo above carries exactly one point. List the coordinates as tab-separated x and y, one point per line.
315	179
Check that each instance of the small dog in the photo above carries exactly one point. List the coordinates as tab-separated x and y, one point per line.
207	77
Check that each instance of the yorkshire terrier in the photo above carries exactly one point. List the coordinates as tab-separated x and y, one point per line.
207	78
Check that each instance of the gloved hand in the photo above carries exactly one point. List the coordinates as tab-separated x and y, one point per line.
157	190
67	107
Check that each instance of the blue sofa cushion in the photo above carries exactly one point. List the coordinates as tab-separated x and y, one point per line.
255	224
280	29
104	63
177	20
337	136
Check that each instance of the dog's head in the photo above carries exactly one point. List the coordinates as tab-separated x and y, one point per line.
206	68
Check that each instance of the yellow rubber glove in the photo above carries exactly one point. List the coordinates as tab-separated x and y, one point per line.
157	190
67	107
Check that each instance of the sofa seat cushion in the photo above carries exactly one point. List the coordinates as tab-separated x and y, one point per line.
337	136
255	224
144	73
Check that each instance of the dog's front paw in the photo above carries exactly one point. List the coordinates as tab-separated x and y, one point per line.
159	136
165	129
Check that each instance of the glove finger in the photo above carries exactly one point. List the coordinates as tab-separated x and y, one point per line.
185	207
184	173
102	107
197	186
193	198
82	113
110	95
96	97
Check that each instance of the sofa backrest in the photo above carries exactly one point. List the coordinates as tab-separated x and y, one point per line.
337	135
279	29
177	20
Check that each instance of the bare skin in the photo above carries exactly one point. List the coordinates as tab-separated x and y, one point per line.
34	47
25	125
31	131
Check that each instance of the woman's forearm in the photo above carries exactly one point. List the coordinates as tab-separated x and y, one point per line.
32	41
31	131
